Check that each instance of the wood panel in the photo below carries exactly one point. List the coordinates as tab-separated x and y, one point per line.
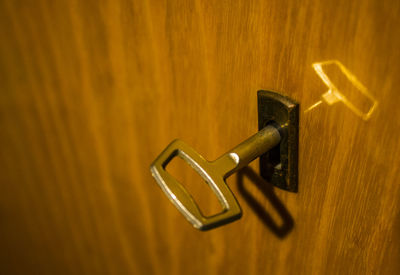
92	91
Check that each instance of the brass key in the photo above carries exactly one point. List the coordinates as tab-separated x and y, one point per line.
214	173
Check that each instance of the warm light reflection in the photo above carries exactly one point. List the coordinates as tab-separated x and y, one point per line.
334	95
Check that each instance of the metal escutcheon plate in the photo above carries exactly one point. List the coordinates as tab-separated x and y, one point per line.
279	165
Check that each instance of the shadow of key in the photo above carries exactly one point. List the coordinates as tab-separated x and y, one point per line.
267	190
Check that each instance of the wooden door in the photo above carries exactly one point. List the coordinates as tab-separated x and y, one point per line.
92	91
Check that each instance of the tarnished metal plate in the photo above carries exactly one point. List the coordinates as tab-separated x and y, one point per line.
279	165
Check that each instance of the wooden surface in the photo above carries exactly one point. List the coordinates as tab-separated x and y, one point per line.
92	91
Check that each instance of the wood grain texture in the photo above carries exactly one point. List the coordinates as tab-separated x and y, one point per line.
92	91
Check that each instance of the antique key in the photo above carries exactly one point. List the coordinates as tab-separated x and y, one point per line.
214	173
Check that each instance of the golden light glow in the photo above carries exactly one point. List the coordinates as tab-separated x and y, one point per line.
334	95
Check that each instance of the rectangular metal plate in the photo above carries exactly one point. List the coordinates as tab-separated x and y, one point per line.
279	166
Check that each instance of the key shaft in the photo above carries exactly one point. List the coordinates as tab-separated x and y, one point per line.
250	149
